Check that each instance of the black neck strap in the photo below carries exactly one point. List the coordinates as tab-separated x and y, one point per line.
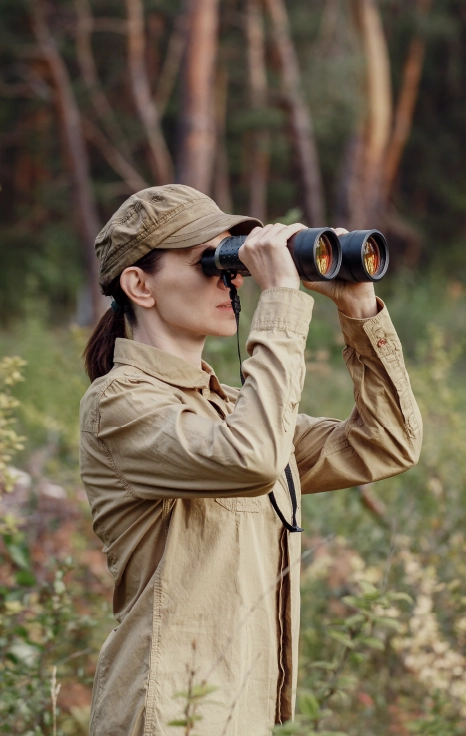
228	277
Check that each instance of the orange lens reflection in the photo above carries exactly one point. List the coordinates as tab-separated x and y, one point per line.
371	255
324	255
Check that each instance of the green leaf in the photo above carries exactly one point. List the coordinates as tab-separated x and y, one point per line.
372	642
346	682
19	555
358	618
399	596
309	705
351	600
343	638
26	578
178	723
201	691
391	623
358	657
368	589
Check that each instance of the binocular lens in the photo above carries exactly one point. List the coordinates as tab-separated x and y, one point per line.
324	254
371	255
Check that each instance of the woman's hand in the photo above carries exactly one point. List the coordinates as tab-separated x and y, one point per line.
268	260
356	300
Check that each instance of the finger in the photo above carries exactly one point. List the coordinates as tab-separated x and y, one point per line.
340	230
271	235
294	228
257	233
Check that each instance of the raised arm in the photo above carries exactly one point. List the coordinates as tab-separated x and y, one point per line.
161	448
383	435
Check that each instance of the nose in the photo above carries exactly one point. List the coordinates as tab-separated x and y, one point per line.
237	281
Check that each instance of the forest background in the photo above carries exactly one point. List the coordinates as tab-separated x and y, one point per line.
337	112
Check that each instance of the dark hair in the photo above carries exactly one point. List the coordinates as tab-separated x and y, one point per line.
98	354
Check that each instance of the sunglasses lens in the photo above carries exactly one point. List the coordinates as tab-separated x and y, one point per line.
324	254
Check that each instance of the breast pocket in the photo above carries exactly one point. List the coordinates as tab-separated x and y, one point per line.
242	503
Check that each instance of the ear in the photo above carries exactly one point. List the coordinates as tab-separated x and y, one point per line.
136	284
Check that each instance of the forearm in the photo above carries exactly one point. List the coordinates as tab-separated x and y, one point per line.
383	435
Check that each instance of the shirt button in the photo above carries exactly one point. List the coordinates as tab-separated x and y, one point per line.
381	342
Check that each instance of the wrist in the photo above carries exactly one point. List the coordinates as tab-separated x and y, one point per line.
358	308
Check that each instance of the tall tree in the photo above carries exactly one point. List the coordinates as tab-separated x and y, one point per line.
257	75
404	109
75	150
159	156
364	187
300	116
197	115
113	146
221	175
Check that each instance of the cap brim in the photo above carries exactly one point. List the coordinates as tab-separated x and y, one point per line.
209	226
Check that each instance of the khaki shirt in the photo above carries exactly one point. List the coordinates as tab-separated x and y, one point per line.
177	468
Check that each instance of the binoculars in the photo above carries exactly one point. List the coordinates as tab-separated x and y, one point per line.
319	254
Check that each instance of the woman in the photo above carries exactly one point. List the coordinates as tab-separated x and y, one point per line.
178	467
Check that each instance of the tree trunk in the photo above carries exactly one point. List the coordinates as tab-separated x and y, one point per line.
102	106
197	124
75	151
366	180
159	156
259	163
172	63
300	117
405	106
221	180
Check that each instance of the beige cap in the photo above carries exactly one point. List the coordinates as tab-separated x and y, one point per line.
171	216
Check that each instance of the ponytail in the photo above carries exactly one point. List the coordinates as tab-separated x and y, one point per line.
98	354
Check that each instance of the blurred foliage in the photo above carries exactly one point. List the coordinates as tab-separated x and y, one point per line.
396	666
10	441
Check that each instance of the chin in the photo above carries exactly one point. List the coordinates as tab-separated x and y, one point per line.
225	330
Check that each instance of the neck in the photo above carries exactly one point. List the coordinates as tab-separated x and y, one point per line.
184	345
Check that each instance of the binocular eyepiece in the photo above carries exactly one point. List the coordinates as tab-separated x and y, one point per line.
318	254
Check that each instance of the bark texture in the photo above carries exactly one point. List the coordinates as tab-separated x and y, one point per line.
75	152
197	129
159	156
85	56
364	190
404	110
259	163
300	116
221	178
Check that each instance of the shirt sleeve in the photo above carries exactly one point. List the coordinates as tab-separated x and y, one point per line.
161	448
383	435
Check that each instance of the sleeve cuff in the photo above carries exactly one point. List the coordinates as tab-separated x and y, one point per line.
283	309
372	334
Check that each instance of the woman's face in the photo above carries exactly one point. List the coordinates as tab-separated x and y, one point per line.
188	302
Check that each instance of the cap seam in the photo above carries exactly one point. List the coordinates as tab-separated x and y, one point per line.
194	232
166	218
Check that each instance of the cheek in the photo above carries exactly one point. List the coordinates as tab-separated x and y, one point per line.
185	293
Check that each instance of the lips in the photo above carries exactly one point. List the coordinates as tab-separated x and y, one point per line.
225	304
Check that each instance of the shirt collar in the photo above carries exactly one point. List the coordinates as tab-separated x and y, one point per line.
165	366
